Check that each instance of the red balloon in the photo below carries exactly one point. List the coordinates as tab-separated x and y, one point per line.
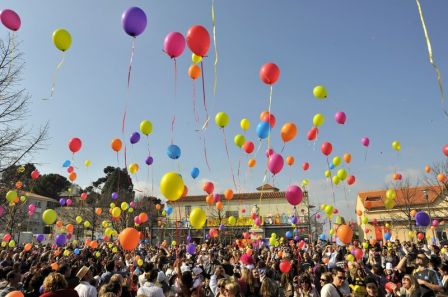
445	149
351	180
269	118
326	148
35	174
285	266
420	236
248	147
70	169
198	40
269	73
305	166
75	144
208	187
312	134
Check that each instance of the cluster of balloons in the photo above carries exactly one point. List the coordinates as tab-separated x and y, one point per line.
389	202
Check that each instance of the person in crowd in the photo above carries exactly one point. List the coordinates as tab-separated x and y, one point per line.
55	285
85	289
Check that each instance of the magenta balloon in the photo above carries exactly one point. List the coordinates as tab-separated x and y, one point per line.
69	202
365	141
269	152
275	163
216	197
340	117
134	21
10	19
174	44
137	220
294	195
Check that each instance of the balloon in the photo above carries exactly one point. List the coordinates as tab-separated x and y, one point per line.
294	195
74	144
340	117
143	217
365	141
427	169
194	172
413	213
290	160
320	92
146	127
35	174
49	216
322	237
40	237
221	119
14	294
312	134
245	124
174	44
345	234
269	153
285	266
61	202
116	212
228	194
7	237
198	40
318	119
420	236
172	186
194	72
129	239
11	195
288	234
275	163
209	199
87	163
133	21
336	161
422	219
331	166
66	163
60	240
305	182
263	130
68	202
305	166
327	173
197	218
69	228
269	73
239	140
86	224
326	148
149	160
116	144
208	187
268	118
391	194
441	177
173	152
114	196
347	158
288	132
351	180
231	220
396	145
195	58
251	163
124	205
219	205
133	168
336	180
358	254
445	150
135	137
248	147
10	19
342	174
365	220
435	223
70	169
83	196
62	39
169	210
191	248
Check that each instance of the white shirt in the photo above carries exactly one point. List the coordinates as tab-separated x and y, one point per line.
150	290
85	289
329	290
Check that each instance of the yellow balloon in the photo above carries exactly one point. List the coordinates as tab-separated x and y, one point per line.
197	218
12	243
62	39
336	161
97	254
328	209
116	212
78	219
195	58
124	205
146	127
87	163
396	145
342	174
320	92
327	173
108	232
239	140
221	119
336	180
4	243
133	168
49	216
139	262
130	210
305	182
172	186
66	253
104	224
331	232
86	224
411	234
387	225
11	195
318	119
365	220
389	203
391	194
112	205
245	124
232	220
350	258
114	250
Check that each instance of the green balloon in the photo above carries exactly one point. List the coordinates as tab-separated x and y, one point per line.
239	140
49	216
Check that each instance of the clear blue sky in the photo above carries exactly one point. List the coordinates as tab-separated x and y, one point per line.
371	56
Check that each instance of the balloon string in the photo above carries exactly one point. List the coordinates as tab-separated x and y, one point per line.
175	77
173	124
431	58
269	110
203	94
239	166
53	83
205	153
331	181
173	121
365	155
130	62
215	81
283	147
195	111
228	158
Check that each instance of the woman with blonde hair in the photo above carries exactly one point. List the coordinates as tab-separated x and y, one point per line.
55	285
232	289
245	280
410	287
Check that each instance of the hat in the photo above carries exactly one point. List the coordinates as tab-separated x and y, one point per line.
389	266
82	272
197	271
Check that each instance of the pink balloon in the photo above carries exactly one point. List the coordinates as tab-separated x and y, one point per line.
294	195
69	202
318	216
340	117
216	197
275	163
358	253
137	220
257	222
365	141
30	213
32	207
10	19
269	152
174	44
132	204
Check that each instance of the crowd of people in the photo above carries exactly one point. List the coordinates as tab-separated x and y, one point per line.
217	270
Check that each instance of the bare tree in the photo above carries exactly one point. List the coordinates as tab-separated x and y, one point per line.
17	142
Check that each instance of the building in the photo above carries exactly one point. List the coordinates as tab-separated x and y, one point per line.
268	202
399	221
34	223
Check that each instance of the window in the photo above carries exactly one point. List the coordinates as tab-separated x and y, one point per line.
372	199
187	210
232	213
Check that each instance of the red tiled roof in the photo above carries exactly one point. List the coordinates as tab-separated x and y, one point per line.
240	196
406	196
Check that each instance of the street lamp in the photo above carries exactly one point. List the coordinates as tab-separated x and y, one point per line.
19	225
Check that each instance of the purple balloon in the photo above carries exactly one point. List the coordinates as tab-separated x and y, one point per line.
191	248
62	201
135	137
294	220
422	219
340	117
188	238
207	236
216	197
294	195
10	19
365	141
134	21
221	227
40	237
114	196
296	238
149	160
174	44
275	163
60	240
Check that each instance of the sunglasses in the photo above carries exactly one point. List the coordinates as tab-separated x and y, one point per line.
323	280
341	277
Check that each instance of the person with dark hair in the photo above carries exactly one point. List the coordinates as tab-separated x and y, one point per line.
443	270
13	280
110	267
147	267
334	289
372	288
149	289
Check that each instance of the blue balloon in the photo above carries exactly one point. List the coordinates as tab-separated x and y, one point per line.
288	234
173	152
135	137
76	251
387	236
263	130
194	172
66	163
322	237
331	166
169	210
40	237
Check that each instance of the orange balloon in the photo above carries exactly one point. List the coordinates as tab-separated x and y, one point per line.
129	238
263	115
288	132
143	217
251	163
185	193
427	169
98	211
16	199
158	206
345	234
93	244
19	185
27	247
413	213
372	241
72	176
116	144
347	158
359	213
290	160
59	224
15	294
228	194
209	199
219	205
54	266
194	71
88	241
69	228
441	177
